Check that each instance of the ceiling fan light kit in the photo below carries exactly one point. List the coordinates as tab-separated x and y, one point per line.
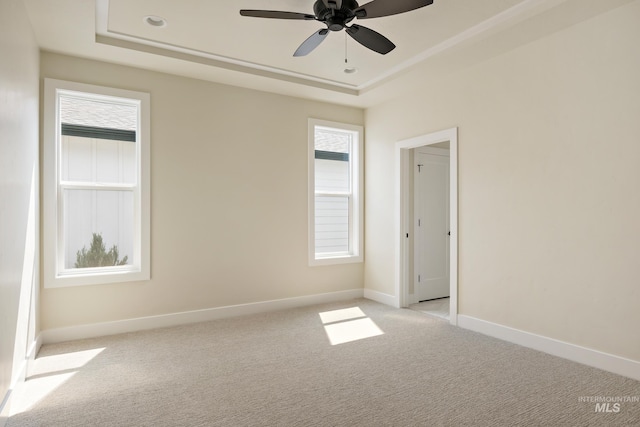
336	14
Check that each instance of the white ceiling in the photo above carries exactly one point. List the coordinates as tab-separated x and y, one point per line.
208	39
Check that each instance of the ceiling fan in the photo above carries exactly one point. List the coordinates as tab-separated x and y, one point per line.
336	14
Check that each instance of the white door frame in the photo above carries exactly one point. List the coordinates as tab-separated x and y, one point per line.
402	273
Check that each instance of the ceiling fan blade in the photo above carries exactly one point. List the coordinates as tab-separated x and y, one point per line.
370	39
378	8
311	43
276	14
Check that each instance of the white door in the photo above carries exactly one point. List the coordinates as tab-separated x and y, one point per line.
431	223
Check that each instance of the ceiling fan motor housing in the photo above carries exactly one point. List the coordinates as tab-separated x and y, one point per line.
336	19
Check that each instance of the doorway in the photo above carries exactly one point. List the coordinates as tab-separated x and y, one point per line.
403	209
430	224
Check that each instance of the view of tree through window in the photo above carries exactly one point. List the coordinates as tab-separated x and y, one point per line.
98	256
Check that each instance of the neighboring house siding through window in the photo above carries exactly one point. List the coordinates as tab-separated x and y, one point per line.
333	191
88	211
93	152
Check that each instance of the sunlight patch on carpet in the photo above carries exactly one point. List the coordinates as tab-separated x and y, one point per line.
47	374
348	325
340	315
36	389
63	362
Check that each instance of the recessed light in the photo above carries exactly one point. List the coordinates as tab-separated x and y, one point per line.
350	70
155	21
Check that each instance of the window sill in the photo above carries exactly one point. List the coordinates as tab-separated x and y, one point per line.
336	259
71	280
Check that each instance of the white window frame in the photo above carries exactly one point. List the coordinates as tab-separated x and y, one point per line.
356	205
55	275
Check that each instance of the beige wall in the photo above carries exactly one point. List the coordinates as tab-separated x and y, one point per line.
228	199
549	196
18	188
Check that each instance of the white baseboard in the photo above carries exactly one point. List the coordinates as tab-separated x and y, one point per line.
166	320
380	297
586	356
32	353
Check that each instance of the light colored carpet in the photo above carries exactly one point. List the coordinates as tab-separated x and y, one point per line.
280	369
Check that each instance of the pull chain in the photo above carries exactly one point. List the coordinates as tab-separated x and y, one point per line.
345	48
347	69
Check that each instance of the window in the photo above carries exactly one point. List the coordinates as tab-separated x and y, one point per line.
335	202
95	185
